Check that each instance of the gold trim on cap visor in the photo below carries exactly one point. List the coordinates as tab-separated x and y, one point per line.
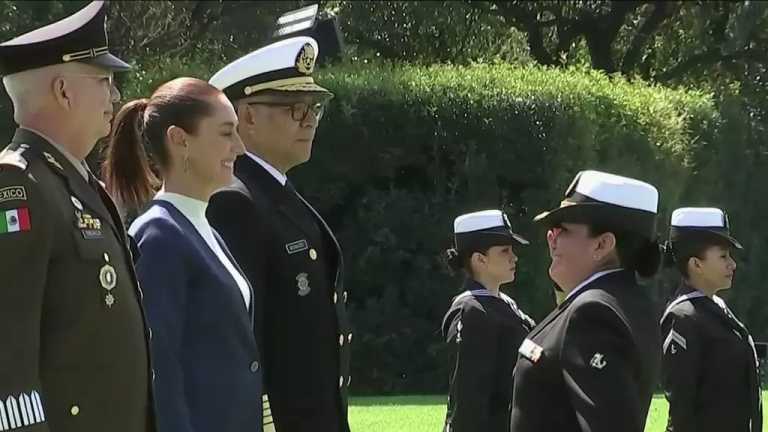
89	53
278	83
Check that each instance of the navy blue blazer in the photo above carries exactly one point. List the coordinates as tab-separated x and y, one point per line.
206	360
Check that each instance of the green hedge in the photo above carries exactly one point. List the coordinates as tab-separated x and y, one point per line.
405	149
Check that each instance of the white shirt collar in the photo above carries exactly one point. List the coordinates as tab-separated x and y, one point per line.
192	208
591	279
78	164
280	177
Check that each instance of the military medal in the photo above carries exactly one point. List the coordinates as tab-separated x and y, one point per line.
302	282
76	202
108	279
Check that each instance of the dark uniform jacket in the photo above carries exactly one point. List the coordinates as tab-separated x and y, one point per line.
76	355
709	367
487	332
592	365
296	270
208	376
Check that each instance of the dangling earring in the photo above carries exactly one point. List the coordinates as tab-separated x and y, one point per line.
186	158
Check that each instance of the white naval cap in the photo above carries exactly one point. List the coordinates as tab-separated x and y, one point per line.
621	202
286	65
688	222
699	217
484	223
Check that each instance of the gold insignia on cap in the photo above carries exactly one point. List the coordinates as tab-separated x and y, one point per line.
305	60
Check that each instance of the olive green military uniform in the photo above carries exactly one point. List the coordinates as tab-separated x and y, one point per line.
74	356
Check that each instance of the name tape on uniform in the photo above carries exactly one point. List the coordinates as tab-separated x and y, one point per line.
296	247
530	350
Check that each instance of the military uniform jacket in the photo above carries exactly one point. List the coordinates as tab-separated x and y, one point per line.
709	367
486	332
592	364
76	355
296	270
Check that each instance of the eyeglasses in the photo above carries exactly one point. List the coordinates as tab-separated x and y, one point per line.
105	79
299	111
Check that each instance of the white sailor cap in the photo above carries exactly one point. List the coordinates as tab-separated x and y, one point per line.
79	37
688	222
489	227
286	65
621	203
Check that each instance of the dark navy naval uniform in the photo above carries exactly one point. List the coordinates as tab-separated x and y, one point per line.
592	364
76	355
709	368
295	267
487	331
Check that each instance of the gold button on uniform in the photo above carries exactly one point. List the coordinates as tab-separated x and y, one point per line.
341	381
75	410
335	298
341	340
349	338
345	296
313	254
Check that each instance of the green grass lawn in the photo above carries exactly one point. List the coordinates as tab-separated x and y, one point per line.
427	413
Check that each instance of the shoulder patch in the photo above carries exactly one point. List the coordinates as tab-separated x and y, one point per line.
14	157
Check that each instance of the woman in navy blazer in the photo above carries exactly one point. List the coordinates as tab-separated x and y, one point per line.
198	303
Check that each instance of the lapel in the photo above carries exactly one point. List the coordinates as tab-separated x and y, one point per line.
604	281
98	201
195	237
240	270
254	176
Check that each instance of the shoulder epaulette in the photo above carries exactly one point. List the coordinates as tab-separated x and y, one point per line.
14	157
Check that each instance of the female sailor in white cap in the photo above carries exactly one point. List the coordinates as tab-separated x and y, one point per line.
592	364
485	325
709	365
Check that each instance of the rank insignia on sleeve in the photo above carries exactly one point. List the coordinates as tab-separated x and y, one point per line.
677	338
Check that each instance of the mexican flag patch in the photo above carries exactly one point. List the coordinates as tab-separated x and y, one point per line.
14	220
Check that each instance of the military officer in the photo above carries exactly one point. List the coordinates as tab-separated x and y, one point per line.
710	369
592	364
78	358
288	252
485	326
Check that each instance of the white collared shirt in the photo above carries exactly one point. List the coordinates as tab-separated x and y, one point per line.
280	177
194	211
591	279
78	164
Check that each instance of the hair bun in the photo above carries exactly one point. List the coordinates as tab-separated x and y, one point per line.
452	259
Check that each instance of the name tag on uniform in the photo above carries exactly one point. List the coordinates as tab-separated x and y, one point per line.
296	247
530	350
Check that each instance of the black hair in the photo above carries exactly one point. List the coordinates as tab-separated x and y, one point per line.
679	252
635	252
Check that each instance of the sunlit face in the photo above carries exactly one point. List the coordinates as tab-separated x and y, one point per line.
215	146
714	271
92	94
572	250
499	263
282	130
